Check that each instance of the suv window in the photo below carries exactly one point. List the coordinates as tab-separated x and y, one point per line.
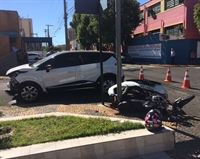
93	57
43	65
65	60
88	58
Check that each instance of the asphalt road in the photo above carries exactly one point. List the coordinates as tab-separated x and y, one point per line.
151	72
158	73
187	134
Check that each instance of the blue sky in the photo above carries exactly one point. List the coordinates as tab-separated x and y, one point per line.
43	13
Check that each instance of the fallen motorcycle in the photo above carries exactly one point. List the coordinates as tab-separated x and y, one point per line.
145	95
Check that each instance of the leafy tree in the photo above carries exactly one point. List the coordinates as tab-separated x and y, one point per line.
60	47
44	48
56	48
129	20
86	26
197	15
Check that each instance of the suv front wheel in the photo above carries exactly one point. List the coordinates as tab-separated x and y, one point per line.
29	92
108	81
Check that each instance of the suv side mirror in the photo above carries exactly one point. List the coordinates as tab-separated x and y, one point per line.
48	68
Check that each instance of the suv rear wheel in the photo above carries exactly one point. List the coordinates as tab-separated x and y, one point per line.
29	92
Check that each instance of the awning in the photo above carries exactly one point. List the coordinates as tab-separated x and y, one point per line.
37	40
12	34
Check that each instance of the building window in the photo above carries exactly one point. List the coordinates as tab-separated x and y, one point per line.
157	31
141	15
154	9
138	35
176	30
172	3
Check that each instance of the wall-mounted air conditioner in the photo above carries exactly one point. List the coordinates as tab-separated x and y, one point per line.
163	37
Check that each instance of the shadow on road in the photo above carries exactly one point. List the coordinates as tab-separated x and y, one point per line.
187	138
80	96
186	150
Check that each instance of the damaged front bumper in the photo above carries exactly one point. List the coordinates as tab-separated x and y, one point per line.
13	85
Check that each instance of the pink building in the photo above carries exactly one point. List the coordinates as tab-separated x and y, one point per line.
172	18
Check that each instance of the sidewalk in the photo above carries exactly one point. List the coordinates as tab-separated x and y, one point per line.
97	146
4	77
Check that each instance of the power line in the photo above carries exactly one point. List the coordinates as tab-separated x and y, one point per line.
50	10
54	33
71	12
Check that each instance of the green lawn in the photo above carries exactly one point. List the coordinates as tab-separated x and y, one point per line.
40	130
1	101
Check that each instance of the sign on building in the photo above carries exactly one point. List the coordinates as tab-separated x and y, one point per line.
152	51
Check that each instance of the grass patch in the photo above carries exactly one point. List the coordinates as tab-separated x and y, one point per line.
1	102
1	114
52	128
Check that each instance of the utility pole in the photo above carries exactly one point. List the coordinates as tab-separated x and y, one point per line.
118	44
45	32
48	29
65	23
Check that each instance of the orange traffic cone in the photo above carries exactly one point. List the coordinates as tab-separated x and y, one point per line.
168	77
141	75
186	82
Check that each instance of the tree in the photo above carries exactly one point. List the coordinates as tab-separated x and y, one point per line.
197	15
86	26
86	29
129	20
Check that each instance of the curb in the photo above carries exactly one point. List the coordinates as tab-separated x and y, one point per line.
4	78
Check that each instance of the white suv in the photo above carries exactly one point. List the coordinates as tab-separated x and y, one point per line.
69	69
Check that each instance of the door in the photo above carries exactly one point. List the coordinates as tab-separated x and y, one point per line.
63	71
89	67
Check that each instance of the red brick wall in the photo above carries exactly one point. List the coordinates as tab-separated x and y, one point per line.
4	45
9	22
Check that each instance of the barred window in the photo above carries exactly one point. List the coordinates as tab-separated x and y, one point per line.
157	31
172	3
138	35
176	30
154	9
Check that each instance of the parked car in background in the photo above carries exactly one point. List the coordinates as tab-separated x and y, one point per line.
126	58
33	57
68	69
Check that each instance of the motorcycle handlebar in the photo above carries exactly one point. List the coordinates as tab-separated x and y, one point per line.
181	101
